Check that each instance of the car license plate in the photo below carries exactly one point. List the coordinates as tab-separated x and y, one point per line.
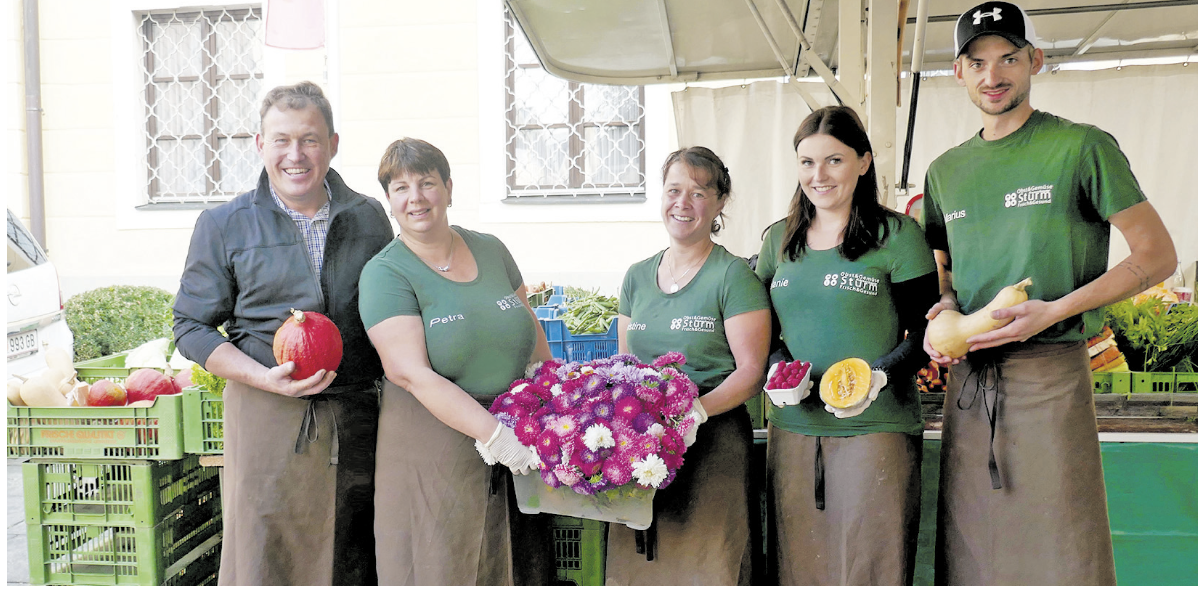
22	344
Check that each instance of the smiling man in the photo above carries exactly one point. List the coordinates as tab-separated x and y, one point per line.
1032	195
299	454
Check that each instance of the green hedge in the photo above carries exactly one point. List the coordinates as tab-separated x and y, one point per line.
114	319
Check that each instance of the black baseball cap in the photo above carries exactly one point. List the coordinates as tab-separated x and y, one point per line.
994	18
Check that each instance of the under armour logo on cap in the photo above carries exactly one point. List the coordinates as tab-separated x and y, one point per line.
994	18
996	14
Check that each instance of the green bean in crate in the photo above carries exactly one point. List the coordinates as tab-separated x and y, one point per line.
590	312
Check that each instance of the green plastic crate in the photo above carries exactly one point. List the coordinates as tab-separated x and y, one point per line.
202	571
580	550
1186	383
1153	382
111	367
154	433
1118	382
131	493
203	422
83	554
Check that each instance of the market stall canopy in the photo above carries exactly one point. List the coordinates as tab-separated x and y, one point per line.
657	41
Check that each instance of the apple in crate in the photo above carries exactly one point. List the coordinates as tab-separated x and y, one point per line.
106	393
147	384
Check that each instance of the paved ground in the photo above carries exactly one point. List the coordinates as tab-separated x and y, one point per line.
18	550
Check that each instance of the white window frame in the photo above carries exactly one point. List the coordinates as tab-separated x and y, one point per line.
492	141
128	104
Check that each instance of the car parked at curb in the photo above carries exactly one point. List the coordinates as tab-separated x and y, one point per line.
35	306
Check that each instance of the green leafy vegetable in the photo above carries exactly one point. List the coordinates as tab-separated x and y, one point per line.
1155	336
589	312
208	381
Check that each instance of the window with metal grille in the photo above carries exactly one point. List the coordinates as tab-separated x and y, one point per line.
202	73
567	141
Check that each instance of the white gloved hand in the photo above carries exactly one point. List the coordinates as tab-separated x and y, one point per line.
503	447
699	415
877	381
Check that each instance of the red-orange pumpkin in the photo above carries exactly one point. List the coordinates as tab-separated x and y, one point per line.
309	339
147	384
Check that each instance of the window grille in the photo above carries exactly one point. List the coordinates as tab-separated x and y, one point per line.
568	141
202	73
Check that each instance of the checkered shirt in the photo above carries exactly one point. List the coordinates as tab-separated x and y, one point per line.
315	230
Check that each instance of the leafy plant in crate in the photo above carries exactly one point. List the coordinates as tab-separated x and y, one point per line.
1155	336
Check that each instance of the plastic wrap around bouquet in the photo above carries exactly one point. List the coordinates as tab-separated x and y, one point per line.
609	433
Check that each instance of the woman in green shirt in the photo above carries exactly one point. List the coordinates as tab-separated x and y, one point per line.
847	279
698	299
446	309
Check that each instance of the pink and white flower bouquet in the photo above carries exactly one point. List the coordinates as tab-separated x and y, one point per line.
610	429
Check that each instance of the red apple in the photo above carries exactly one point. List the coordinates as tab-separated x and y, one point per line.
106	393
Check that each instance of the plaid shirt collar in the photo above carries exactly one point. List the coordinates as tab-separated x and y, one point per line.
321	215
314	230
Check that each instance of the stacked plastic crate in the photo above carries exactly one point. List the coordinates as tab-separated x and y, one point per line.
110	497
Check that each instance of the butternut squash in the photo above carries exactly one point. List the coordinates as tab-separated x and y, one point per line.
40	392
949	329
14	391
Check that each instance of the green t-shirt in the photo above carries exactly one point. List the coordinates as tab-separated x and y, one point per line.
831	309
478	333
1032	204
690	321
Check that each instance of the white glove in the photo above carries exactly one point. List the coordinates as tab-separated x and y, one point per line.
504	447
699	415
876	383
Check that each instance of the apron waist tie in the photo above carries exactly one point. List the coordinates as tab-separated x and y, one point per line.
982	384
646	542
309	432
819	473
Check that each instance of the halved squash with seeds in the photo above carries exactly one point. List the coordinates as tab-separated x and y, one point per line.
846	383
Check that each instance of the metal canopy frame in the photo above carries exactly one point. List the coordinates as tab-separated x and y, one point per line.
856	56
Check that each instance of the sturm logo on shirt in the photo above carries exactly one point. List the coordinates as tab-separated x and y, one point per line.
636	326
779	283
851	281
510	302
446	319
693	323
1029	195
954	215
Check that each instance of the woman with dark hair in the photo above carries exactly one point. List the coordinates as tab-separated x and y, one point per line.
697	298
446	309
848	278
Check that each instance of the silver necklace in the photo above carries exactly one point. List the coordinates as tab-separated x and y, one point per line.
670	267
452	243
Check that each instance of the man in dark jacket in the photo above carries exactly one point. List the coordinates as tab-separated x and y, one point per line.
299	454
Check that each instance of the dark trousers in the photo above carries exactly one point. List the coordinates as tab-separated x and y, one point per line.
353	542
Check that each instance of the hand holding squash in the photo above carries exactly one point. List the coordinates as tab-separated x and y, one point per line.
849	387
948	331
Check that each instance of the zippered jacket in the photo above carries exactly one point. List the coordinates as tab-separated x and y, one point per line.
248	266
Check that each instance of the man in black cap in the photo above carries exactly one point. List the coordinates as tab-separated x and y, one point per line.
1031	195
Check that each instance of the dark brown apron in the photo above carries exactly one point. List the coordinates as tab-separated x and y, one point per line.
866	532
442	516
278	505
701	519
1039	517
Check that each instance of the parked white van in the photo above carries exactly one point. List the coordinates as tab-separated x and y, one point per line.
35	306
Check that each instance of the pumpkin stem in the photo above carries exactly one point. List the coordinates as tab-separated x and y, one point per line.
298	315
